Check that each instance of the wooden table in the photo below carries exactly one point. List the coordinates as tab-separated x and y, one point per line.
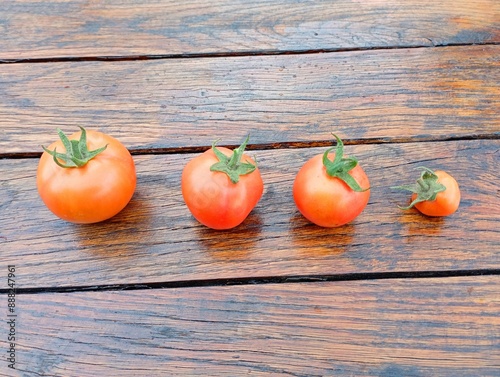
153	293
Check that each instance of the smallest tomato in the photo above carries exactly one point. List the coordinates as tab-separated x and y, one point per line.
434	194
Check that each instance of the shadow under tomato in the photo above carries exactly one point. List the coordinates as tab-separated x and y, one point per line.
313	240
416	224
231	244
118	237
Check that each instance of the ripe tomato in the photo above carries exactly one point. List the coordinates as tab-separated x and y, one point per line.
86	186
331	190
436	193
221	187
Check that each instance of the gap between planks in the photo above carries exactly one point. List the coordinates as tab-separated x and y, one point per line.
260	281
210	55
284	145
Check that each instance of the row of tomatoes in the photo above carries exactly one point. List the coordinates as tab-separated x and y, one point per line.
90	176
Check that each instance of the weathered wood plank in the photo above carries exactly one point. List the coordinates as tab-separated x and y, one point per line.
82	28
155	239
390	328
390	94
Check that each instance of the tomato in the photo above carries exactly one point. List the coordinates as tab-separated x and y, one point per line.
221	187
436	193
87	177
331	190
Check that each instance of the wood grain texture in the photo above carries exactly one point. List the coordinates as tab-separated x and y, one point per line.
389	328
155	239
84	28
415	94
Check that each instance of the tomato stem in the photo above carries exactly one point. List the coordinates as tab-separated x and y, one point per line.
426	188
341	166
232	166
77	153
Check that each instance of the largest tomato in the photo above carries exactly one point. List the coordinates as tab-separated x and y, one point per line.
221	187
331	190
87	177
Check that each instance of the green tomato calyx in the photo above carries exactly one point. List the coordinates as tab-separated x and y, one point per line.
341	166
426	188
232	166
77	153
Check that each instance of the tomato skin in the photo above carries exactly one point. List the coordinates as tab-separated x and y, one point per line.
328	201
212	198
446	202
94	192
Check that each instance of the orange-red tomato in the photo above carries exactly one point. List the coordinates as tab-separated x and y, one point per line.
446	201
211	196
94	192
328	201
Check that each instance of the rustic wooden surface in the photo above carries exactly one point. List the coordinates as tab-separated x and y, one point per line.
152	292
117	28
380	95
155	239
401	327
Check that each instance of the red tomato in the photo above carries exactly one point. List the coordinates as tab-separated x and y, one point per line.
328	200
436	193
94	192
215	199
